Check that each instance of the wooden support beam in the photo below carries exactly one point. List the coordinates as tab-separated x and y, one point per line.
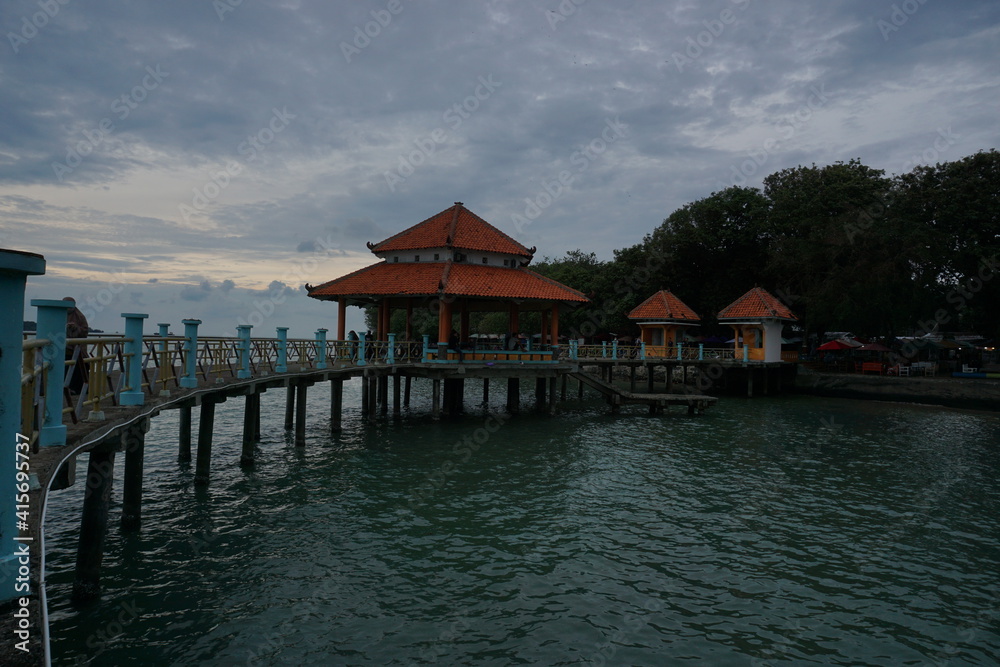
290	406
94	525
300	414
134	444
249	432
406	391
395	396
552	395
486	392
184	437
436	398
539	393
513	395
206	426
336	405
383	391
256	417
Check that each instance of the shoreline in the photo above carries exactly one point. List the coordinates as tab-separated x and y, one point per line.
974	394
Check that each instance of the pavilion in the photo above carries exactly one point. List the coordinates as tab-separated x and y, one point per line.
455	263
758	317
661	319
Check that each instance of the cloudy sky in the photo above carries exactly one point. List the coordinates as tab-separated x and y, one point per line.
205	159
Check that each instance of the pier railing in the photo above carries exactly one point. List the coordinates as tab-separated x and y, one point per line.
642	351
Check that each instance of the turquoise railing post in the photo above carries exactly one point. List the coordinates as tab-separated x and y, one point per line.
642	350
701	351
746	353
426	356
190	379
282	365
614	349
52	327
164	333
321	348
361	350
527	345
15	267
243	332
574	349
678	352
604	349
390	355
133	364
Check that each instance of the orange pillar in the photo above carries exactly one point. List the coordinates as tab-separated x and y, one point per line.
341	319
737	330
386	319
555	324
444	327
514	325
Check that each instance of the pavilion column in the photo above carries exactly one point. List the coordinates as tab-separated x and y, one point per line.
515	326
409	320
737	332
545	328
463	333
554	325
444	327
341	319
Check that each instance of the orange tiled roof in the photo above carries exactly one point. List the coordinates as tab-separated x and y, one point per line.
434	278
455	227
758	303
663	306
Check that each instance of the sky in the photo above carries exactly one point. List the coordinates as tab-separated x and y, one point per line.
205	159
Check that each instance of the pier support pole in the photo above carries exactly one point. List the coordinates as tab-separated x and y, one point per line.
562	389
395	396
406	392
486	392
364	396
552	396
336	405
436	398
749	382
206	427
539	393
249	434
184	436
256	417
373	386
134	442
300	415
579	388
290	406
513	395
94	525
383	390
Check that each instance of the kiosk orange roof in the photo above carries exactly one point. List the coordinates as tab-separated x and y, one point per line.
756	304
455	227
663	306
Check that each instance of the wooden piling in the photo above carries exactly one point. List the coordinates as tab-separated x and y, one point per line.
247	455
406	392
395	396
513	395
134	442
290	406
383	395
300	415
436	398
365	407
184	437
336	405
206	425
486	392
94	525
562	389
372	399
552	395
539	393
256	416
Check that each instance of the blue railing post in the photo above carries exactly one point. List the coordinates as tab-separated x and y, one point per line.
190	379
133	364
282	365
604	349
678	352
642	350
390	355
427	348
701	351
614	349
361	350
321	348
52	327
746	353
164	332
243	332
574	349
15	267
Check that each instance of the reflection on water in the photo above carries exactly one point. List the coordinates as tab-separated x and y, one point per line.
778	530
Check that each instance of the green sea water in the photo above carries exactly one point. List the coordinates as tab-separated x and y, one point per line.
769	531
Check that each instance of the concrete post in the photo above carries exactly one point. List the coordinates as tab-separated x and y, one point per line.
361	350
190	379
642	350
243	331
701	351
390	355
133	365
51	321
604	349
15	267
321	348
679	356
282	365
614	349
746	353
